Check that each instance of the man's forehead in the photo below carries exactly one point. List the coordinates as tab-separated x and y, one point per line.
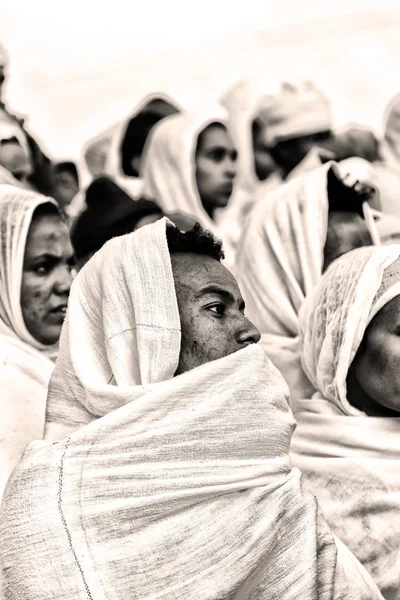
198	270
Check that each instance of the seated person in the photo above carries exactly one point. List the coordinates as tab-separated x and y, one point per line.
289	239
66	180
36	259
347	439
109	212
189	167
289	124
164	471
128	140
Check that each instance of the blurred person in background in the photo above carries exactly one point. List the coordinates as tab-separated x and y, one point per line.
127	141
66	180
40	176
290	124
189	167
288	241
36	260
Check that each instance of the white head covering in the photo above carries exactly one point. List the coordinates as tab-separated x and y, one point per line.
169	164
25	365
295	110
351	462
149	485
280	260
113	163
334	317
16	209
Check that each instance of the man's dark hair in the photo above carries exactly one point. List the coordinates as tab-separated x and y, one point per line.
195	240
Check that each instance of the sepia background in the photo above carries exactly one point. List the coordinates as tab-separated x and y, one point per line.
77	68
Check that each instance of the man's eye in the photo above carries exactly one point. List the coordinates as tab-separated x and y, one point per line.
42	269
217	155
218	309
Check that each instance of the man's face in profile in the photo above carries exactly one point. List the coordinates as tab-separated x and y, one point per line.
211	310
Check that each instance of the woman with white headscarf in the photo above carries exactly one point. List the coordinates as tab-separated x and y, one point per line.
347	439
151	484
35	277
189	168
288	240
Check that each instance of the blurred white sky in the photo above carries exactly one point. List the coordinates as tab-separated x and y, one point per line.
76	68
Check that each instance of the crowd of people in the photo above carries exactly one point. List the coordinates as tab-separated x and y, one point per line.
199	354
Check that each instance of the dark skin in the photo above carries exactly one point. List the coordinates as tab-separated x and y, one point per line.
373	382
346	231
211	310
46	278
216	159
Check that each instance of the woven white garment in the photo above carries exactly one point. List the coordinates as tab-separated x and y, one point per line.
25	365
351	462
279	261
150	486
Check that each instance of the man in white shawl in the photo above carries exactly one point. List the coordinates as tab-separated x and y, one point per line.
162	474
347	439
287	242
35	278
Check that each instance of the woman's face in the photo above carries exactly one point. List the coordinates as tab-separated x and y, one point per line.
215	167
46	278
376	367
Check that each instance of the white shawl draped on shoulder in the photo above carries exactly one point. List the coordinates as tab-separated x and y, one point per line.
351	462
150	486
25	364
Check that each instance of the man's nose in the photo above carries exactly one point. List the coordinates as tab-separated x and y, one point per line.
248	334
64	281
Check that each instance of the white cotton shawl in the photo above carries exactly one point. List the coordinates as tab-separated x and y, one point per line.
351	462
169	171
113	164
149	486
25	365
279	261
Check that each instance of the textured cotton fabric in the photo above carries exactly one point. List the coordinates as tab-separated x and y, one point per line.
350	461
152	486
279	261
25	363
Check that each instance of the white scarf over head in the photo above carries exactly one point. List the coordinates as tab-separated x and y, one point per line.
113	164
153	486
169	164
351	462
25	365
